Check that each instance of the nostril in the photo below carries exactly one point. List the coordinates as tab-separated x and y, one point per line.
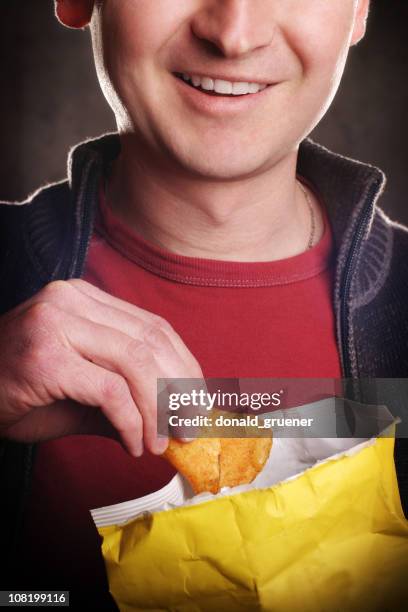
213	49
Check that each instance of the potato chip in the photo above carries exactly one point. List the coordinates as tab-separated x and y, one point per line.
197	461
212	463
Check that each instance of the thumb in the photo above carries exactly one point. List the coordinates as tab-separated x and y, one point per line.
62	418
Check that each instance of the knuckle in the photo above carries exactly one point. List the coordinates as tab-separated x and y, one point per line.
138	353
75	285
41	316
163	324
114	388
155	336
76	282
58	291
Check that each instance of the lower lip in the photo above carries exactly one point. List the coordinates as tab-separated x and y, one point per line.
219	105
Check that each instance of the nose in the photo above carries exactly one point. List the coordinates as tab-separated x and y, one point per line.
235	27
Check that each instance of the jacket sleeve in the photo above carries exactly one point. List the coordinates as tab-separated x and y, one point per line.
11	220
35	238
30	242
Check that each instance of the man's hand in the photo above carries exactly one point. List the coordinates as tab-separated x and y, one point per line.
74	359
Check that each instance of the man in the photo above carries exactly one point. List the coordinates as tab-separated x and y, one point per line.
207	238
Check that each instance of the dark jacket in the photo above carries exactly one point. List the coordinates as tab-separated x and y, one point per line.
47	237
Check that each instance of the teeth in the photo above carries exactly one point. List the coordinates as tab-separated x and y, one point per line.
223	87
253	87
207	83
239	89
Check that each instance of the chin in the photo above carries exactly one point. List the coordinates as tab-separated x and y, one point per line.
221	163
223	169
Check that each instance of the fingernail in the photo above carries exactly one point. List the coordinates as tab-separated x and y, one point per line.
160	445
138	451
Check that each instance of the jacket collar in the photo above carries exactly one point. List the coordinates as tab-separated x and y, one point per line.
343	183
350	190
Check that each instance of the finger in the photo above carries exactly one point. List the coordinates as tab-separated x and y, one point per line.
101	307
61	418
76	302
139	362
73	377
140	314
92	385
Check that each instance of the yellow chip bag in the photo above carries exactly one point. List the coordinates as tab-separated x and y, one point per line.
331	538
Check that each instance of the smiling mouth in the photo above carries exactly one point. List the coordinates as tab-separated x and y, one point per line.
219	87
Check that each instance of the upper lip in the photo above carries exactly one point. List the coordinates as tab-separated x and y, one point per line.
224	77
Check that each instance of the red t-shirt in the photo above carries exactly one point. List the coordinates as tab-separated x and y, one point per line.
269	319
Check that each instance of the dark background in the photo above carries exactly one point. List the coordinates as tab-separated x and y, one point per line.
50	99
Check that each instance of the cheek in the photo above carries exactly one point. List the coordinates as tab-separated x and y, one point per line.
127	32
137	30
129	35
320	36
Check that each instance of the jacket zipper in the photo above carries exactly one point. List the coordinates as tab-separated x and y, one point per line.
348	371
87	213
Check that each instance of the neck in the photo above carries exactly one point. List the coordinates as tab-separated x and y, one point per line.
259	218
